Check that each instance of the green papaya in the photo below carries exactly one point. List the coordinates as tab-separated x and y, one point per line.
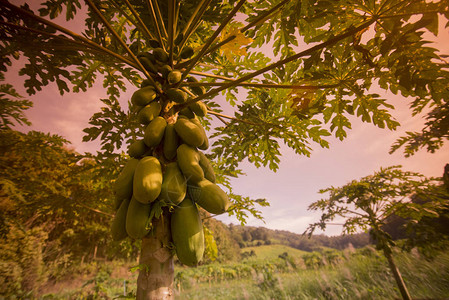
147	180
145	83
137	149
187	52
160	55
199	90
165	70
211	197
199	108
148	65
174	77
118	227
208	170
189	132
179	39
123	186
137	219
176	95
149	112
188	161
154	43
187	233
205	143
143	96
187	112
154	132
174	185
170	142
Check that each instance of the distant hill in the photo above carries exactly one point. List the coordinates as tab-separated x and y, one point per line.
270	251
248	236
234	240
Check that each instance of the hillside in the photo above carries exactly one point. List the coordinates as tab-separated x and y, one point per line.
235	242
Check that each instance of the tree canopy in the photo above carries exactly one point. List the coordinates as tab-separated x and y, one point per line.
329	56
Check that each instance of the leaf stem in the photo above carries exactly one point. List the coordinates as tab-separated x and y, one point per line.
212	39
143	27
265	85
75	36
119	39
306	52
156	23
258	20
193	21
231	118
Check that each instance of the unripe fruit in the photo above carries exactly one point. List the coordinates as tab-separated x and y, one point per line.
143	96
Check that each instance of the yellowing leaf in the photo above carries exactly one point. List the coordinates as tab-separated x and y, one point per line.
235	47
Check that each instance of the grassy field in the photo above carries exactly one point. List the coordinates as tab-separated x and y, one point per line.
272	251
361	274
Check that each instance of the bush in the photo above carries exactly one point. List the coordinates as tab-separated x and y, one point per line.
21	256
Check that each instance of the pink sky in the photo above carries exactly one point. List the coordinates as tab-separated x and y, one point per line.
298	180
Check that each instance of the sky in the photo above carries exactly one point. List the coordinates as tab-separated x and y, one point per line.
295	185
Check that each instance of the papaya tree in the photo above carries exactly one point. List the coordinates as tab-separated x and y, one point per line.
366	204
290	72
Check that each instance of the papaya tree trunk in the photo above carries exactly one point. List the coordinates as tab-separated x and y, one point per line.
156	275
397	275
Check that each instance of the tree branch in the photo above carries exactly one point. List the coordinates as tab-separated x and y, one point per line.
258	20
306	52
265	85
144	28
75	36
119	39
212	39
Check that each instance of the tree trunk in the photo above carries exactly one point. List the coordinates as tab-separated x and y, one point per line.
156	274
397	275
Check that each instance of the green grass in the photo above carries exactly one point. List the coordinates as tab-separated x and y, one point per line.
273	251
358	275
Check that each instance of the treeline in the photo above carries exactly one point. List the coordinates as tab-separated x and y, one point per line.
247	236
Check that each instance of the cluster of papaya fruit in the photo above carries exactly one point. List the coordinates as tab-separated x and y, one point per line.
167	167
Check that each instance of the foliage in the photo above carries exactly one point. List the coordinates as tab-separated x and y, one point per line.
365	204
432	136
12	109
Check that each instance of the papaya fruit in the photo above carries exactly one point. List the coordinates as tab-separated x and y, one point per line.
160	55
147	180
137	149
165	70
211	197
187	233
170	142
154	43
123	186
199	90
149	112
154	132
137	218
174	185
174	77
187	112
145	83
205	143
176	95
178	39
143	96
199	108
188	161
147	64
118	226
187	52
208	170
189	132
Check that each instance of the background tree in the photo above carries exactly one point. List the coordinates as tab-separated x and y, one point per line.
365	204
307	95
